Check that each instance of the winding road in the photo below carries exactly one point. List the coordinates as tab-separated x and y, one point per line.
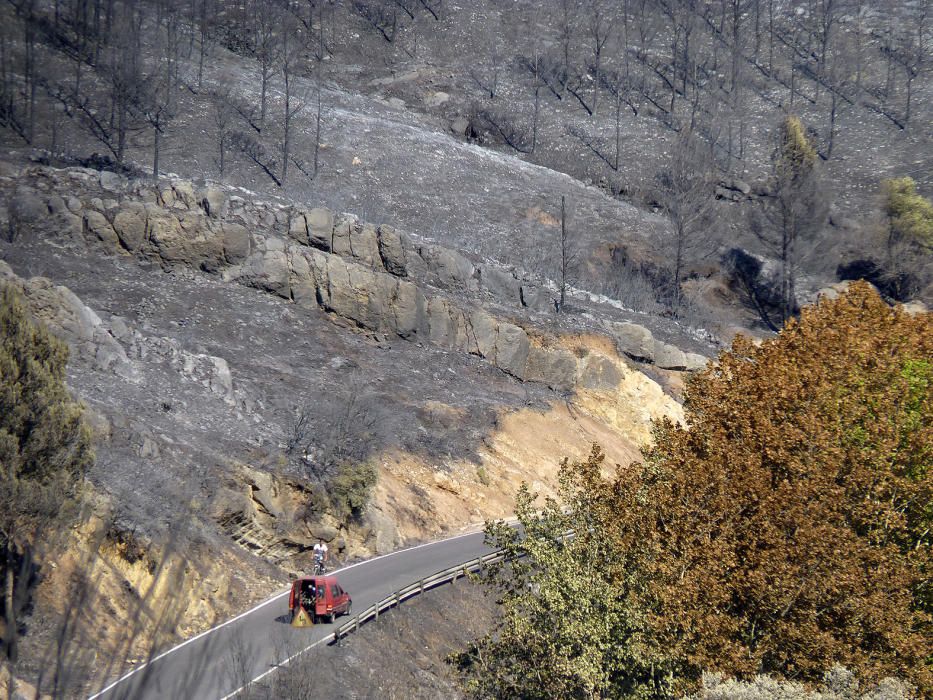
217	663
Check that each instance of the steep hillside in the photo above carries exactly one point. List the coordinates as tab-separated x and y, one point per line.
395	258
204	321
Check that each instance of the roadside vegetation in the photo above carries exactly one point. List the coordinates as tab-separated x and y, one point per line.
45	449
783	530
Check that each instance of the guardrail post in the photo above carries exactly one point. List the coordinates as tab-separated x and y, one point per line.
422	586
398	600
376	616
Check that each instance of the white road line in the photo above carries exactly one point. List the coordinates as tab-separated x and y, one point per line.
262	605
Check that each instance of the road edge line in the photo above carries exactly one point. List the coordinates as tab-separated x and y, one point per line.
260	606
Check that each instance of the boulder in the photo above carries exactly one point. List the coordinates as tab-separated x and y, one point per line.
392	251
131	225
445	323
407	305
555	367
481	333
460	126
185	197
447	269
344	226
502	284
600	373
635	341
536	298
695	362
236	242
267	271
112	182
512	348
668	357
213	201
364	245
298	229
301	279
95	224
374	300
187	240
320	227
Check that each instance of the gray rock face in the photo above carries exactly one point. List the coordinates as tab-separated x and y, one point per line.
555	367
320	227
512	348
130	224
500	283
214	202
345	226
446	324
364	246
392	251
186	240
96	224
236	242
635	341
71	320
111	181
266	270
298	228
447	269
599	373
536	298
695	362
374	300
27	207
668	357
317	259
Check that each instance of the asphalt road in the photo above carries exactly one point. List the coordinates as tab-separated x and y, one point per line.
219	662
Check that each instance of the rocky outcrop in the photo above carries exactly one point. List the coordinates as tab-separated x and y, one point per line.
555	367
110	344
68	318
639	343
375	277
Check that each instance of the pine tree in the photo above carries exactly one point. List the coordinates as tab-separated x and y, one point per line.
45	448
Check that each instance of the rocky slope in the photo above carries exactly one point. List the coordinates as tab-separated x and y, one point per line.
201	317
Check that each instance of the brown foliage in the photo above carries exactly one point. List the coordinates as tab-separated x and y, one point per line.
787	527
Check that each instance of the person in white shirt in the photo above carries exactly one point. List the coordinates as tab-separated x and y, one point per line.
320	554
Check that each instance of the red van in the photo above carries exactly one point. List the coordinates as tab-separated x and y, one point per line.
321	597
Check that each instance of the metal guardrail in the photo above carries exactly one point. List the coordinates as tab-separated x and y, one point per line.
393	600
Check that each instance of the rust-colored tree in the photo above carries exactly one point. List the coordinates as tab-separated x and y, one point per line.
792	515
784	529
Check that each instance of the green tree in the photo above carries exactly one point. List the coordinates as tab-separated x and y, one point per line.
785	528
908	235
571	624
45	448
